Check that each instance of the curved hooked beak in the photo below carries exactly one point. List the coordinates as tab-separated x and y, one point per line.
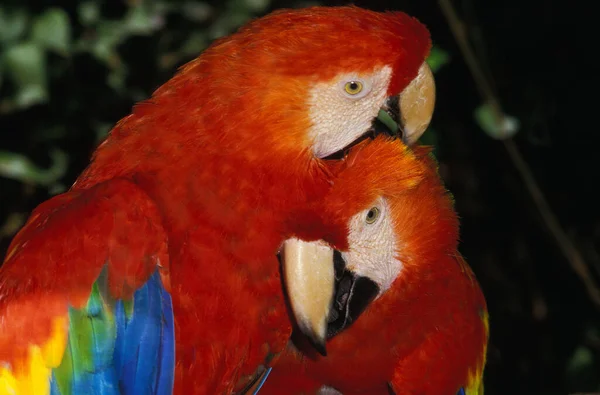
325	297
406	115
309	280
411	111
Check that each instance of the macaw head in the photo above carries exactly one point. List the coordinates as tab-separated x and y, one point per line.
288	89
387	214
332	71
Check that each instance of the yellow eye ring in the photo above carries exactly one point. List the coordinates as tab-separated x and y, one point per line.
353	87
372	215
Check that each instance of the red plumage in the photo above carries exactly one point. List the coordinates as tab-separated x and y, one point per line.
203	176
427	334
61	250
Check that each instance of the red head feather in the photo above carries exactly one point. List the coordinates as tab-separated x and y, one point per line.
427	333
248	92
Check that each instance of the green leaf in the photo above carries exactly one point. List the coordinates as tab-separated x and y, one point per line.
12	25
110	34
26	66
116	79
581	359
56	189
581	371
88	12
52	31
437	58
196	11
13	223
101	129
19	167
237	14
486	119
143	20
195	43
257	6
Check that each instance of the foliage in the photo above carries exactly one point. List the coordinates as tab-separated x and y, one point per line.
40	50
44	55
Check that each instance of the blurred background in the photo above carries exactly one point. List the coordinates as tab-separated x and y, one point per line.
530	226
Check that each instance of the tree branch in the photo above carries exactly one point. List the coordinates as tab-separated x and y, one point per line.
574	257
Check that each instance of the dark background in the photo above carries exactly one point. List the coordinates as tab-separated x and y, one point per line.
69	70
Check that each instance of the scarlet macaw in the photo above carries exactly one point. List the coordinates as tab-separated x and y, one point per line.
158	266
392	241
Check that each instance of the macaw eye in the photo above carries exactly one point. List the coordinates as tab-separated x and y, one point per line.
353	87
372	215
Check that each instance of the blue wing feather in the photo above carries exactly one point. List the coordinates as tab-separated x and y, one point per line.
125	350
121	327
143	340
166	375
262	381
131	375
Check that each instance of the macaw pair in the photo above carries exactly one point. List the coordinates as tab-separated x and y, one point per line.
157	272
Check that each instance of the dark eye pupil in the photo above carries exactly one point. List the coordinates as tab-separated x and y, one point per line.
372	215
353	86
